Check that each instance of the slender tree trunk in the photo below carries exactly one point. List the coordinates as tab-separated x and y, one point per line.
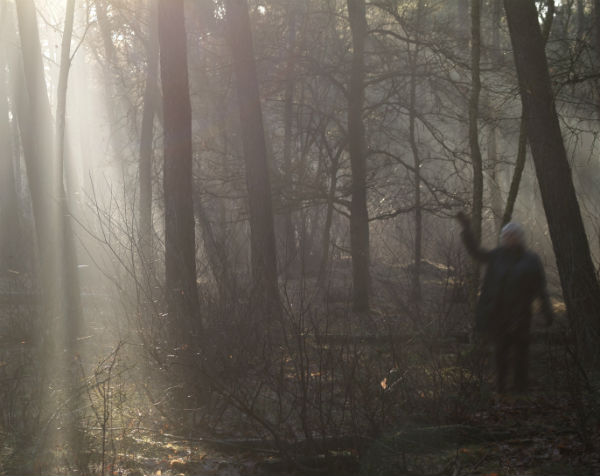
262	235
180	240
495	55
580	19
413	58
494	178
576	270
462	14
9	206
67	241
476	159
596	33
326	237
63	78
596	21
151	97
359	217
290	239
515	183
217	256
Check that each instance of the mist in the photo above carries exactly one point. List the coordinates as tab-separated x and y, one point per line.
234	235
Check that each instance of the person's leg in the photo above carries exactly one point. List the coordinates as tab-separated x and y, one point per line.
501	349
522	361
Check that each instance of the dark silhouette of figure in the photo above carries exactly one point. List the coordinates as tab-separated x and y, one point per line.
514	278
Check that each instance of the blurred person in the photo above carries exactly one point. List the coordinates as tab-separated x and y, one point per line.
513	279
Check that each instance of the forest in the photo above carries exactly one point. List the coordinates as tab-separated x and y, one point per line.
230	236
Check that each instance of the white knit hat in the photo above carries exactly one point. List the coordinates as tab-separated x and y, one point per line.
512	231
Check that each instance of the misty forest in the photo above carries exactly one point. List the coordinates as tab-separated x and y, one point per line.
231	236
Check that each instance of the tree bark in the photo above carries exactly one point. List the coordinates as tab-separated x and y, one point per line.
288	119
576	270
515	183
495	55
522	140
9	216
596	33
359	217
580	19
63	79
418	244
151	96
476	159
326	237
262	235
180	240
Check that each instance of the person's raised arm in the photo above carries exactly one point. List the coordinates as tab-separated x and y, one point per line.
476	251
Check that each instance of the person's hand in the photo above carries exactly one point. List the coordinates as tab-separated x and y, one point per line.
463	219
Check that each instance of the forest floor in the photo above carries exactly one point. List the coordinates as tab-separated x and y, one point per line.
529	435
545	432
533	434
551	430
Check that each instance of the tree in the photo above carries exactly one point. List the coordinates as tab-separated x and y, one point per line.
55	240
53	228
262	235
151	97
288	119
476	159
522	141
576	270
63	78
596	39
359	216
180	240
418	251
9	216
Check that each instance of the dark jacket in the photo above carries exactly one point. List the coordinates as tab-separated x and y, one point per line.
513	279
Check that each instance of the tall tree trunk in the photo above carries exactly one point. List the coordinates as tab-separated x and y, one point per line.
576	270
289	237
462	12
67	241
596	33
326	237
217	256
359	218
522	140
63	79
413	62
180	239
262	235
580	19
494	178
515	183
9	206
495	55
476	159
55	239
151	97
